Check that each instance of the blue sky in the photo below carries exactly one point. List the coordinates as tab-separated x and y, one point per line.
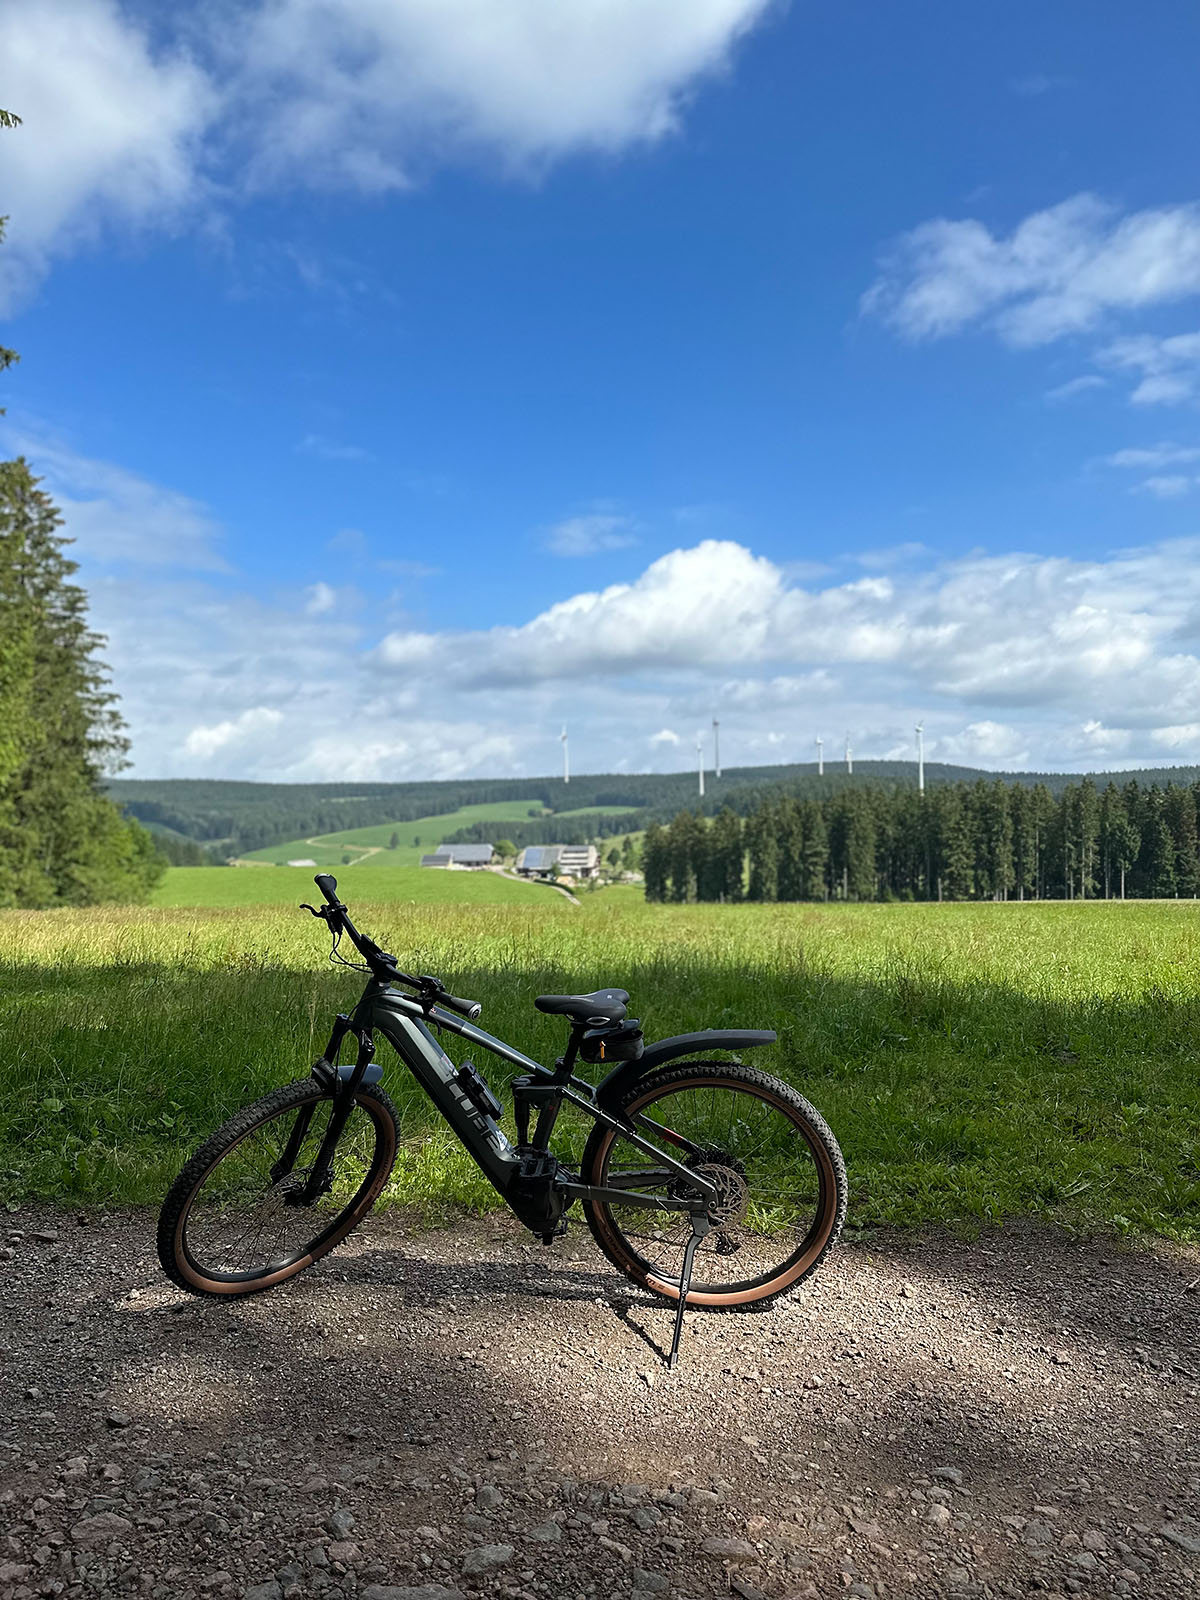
417	376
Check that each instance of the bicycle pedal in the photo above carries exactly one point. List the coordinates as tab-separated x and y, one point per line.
555	1233
537	1165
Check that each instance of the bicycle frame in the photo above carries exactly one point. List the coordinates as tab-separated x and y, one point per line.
405	1024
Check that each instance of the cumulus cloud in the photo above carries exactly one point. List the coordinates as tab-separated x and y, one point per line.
1015	659
246	728
128	127
371	91
110	134
1060	271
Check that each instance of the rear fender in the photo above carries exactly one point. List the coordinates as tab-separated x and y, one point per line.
611	1090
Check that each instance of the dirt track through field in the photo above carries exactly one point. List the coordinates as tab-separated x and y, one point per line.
426	1415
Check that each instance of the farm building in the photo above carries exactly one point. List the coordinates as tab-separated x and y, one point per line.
459	855
568	860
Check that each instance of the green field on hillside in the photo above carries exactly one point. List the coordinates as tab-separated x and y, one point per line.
976	1061
416	838
398	885
599	811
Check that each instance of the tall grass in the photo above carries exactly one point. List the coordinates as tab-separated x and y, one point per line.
974	1061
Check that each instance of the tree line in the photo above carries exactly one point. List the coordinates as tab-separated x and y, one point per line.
987	840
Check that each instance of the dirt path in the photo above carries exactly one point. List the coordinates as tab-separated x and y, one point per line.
533	883
424	1416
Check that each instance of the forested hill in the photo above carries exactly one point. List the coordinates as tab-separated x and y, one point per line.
233	817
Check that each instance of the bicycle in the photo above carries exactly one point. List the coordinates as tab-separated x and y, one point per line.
751	1188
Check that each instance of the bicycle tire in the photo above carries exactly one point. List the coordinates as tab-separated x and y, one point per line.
178	1260
819	1238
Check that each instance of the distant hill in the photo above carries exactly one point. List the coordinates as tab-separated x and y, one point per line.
231	817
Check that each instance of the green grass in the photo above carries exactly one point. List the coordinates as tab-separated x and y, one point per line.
976	1062
599	811
330	847
288	886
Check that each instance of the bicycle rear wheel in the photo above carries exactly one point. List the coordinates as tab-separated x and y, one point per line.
777	1169
229	1226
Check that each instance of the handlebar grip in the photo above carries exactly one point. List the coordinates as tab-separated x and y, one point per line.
465	1008
327	883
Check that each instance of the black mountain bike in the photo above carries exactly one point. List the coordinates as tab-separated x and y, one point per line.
707	1182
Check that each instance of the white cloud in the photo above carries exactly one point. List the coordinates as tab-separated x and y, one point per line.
1156	455
248	728
132	127
984	743
1060	271
110	130
1167	487
1076	386
1016	659
591	534
116	516
320	599
367	92
1170	367
315	444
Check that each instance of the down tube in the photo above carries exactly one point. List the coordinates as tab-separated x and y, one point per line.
433	1069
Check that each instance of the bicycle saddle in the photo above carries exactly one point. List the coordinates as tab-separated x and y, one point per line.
605	1005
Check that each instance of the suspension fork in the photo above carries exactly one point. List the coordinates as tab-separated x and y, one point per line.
319	1179
326	1075
325	1072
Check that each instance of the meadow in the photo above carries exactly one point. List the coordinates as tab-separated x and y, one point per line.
976	1061
414	839
366	883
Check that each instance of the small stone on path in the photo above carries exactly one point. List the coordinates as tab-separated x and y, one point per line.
487	1558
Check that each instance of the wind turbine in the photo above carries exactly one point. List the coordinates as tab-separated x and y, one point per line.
920	758
700	762
820	758
566	767
716	748
849	756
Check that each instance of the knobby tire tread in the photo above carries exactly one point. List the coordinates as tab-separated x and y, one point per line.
289	1096
737	1073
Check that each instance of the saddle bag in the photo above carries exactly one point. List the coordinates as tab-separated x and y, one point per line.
619	1041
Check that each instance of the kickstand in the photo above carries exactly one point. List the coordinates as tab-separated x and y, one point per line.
700	1226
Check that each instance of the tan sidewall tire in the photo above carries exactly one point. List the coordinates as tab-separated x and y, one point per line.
822	1146
382	1113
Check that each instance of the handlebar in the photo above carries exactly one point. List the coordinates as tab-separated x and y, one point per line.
382	965
465	1008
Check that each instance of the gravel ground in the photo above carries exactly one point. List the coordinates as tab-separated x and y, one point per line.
432	1415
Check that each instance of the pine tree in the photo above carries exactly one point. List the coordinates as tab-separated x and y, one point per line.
763	847
789	833
993	839
727	855
1180	808
1158	848
815	860
656	867
687	850
61	839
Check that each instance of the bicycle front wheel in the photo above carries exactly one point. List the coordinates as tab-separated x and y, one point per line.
776	1167
230	1224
